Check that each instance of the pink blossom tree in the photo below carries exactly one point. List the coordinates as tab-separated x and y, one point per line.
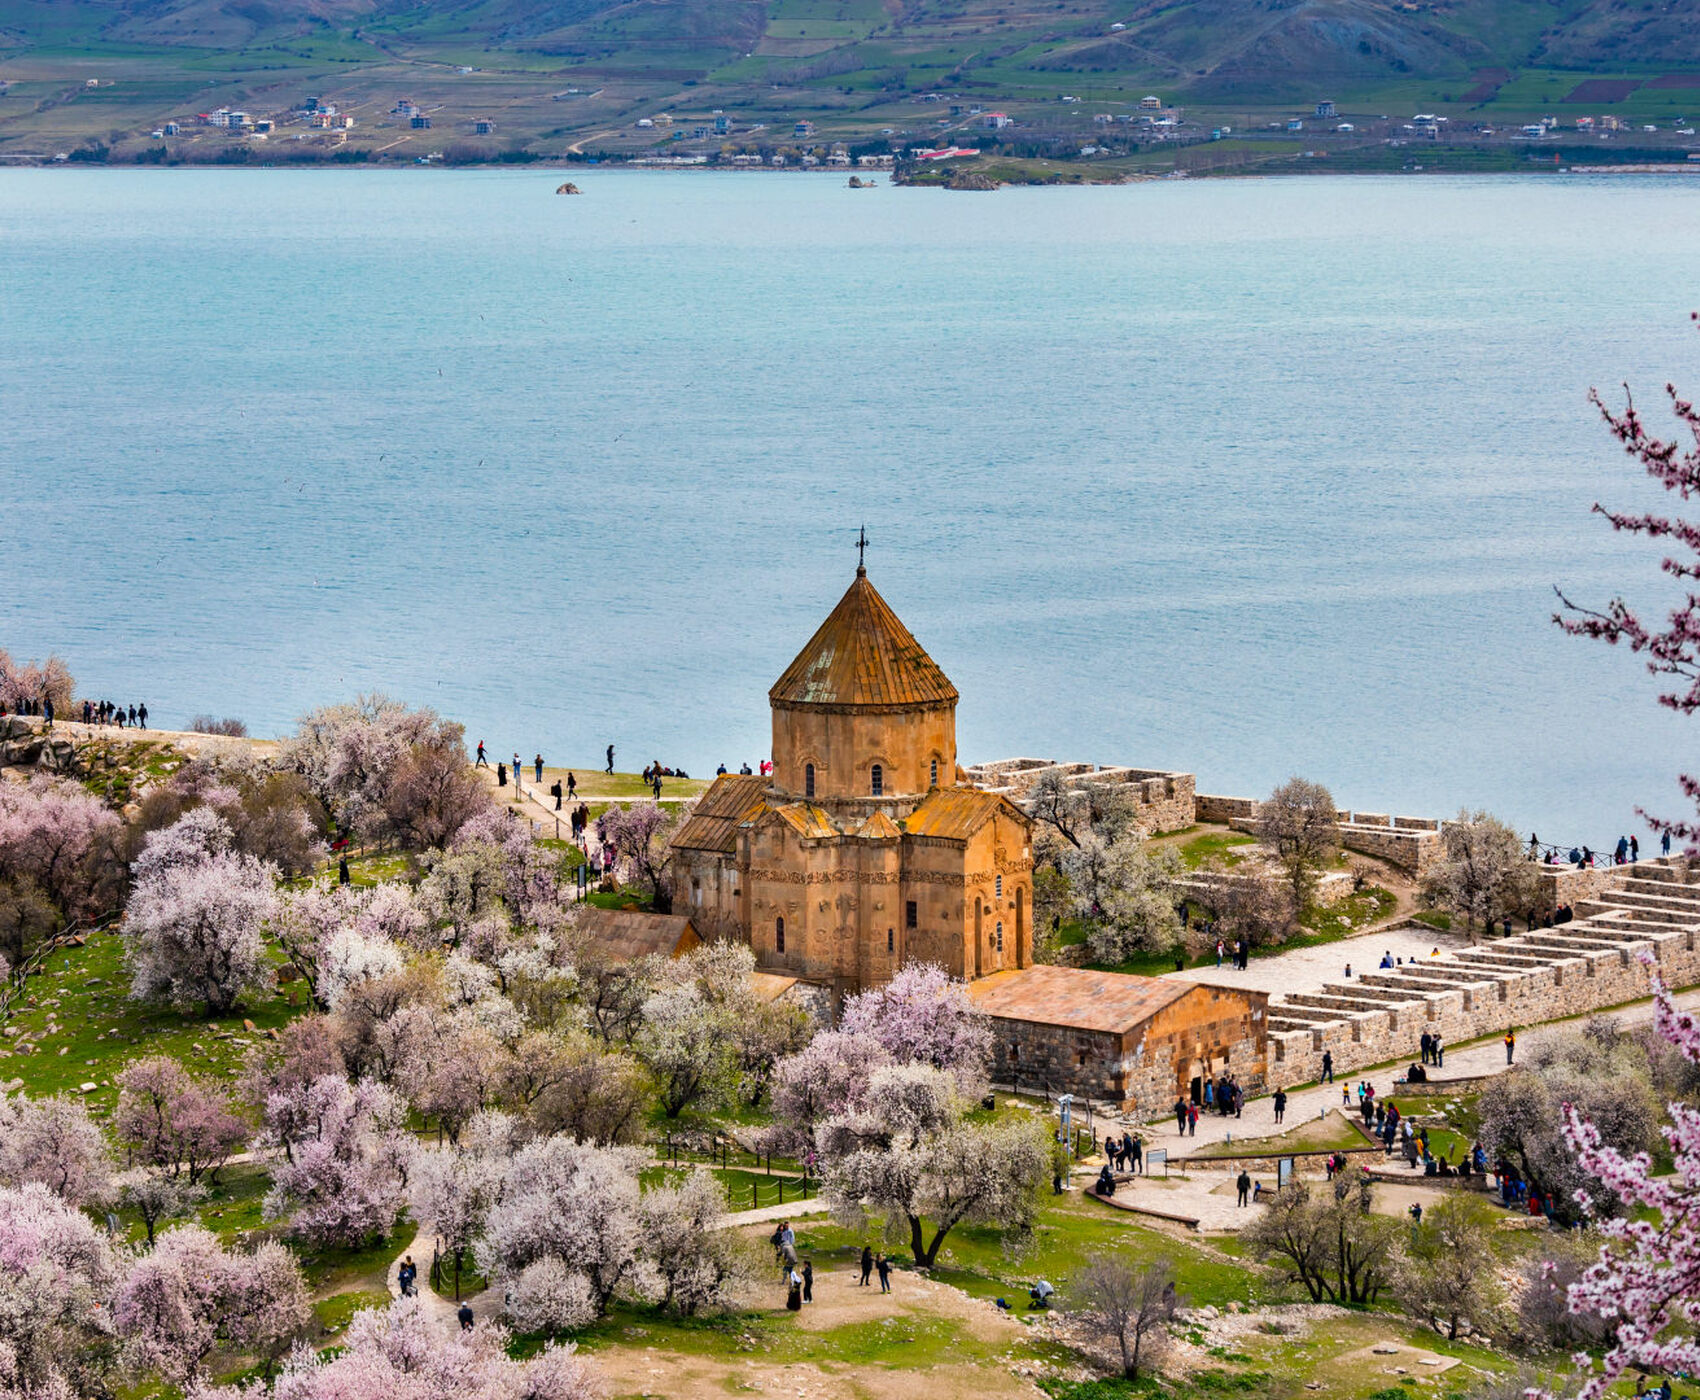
829	1075
401	1353
1671	648
55	1142
56	1271
1647	1280
57	837
194	930
359	758
344	1180
924	1017
174	1123
36	681
638	834
188	1294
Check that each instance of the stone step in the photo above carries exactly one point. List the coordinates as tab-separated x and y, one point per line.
1659	903
1475	956
1453	974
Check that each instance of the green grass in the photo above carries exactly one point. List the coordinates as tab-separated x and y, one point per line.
333	1313
1434	918
1219	845
101	1030
1330	1134
340	1270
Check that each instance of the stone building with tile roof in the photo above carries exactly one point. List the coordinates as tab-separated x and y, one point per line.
865	849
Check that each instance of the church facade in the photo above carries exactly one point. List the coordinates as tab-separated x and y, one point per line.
865	849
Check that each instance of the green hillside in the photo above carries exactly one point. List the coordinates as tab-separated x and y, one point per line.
561	76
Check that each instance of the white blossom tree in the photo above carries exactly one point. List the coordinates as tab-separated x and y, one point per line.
909	1153
924	1017
566	1234
56	1271
1484	873
345	1178
194	929
401	1353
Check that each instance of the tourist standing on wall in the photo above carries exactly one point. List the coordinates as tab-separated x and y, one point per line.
1510	1045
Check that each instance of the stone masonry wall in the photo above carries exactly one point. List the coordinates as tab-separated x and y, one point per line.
1411	843
1590	981
1162	801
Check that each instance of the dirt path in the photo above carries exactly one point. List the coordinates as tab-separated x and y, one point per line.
839	1302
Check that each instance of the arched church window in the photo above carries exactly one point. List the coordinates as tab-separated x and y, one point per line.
933	774
808	780
878	776
779	934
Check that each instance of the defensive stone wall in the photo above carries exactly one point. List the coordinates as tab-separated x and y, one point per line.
1162	801
1481	992
1411	843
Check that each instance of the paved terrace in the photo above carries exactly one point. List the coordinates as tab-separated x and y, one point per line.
1623	915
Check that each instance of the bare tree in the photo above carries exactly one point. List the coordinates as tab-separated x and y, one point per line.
1485	874
1062	808
1247	903
1129	1306
1299	826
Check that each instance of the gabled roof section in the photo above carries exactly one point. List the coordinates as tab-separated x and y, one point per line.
731	800
627	934
811	822
878	827
863	655
957	813
1049	995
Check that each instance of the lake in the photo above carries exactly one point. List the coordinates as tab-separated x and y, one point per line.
1247	478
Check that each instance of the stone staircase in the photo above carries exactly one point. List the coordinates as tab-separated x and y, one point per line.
1651	909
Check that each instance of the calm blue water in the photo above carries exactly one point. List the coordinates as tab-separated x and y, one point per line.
1247	478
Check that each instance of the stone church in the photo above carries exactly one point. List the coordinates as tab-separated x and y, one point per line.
865	849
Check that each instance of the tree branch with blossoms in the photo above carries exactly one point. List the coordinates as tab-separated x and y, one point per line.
1671	650
1647	1279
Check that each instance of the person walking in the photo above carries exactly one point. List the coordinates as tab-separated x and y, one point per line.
465	1316
555	792
610	758
572	787
1280	1104
1327	1067
1510	1045
1664	844
539	762
793	1290
1139	1155
1439	1052
1634	841
808	1280
1244	1185
1427	1044
406	1275
867	1266
1220	949
482	762
342	876
142	715
1180	1116
884	1266
517	770
1192	1120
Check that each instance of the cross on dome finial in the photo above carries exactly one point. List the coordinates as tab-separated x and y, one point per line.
861	552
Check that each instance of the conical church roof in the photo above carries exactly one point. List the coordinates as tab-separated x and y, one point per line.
863	655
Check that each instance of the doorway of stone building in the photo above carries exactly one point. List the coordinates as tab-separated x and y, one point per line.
1192	1080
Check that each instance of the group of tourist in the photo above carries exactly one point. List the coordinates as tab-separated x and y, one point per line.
92	712
744	770
1240	951
1627	852
1125	1154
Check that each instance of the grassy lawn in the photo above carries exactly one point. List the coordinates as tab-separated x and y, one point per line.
1331	1134
1220	845
84	1028
595	785
1347	916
